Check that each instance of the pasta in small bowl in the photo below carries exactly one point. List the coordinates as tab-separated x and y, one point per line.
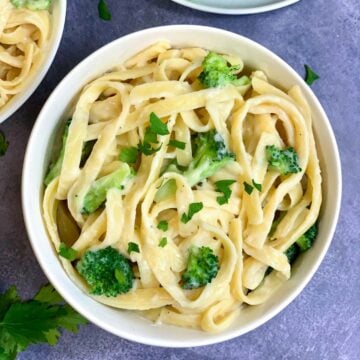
182	182
30	34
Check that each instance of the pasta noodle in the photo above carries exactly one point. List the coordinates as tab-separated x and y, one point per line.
23	38
112	113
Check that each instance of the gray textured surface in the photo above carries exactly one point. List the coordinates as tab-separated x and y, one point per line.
324	321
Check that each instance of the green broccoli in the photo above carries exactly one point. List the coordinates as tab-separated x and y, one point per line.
285	161
306	241
210	155
202	267
292	253
55	167
96	195
106	271
218	73
32	4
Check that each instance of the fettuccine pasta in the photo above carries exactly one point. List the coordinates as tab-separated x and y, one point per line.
23	37
149	110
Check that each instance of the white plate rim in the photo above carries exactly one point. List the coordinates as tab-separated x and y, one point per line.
236	11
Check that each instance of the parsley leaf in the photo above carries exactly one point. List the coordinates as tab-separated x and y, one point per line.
310	75
163	225
104	12
163	242
248	188
177	144
34	321
67	252
157	126
147	149
133	247
4	144
9	297
193	209
129	155
224	187
47	294
257	186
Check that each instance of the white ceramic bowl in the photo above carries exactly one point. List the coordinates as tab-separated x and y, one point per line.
57	26
236	7
126	324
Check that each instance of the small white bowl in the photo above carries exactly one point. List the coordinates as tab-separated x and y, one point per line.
127	324
58	14
236	7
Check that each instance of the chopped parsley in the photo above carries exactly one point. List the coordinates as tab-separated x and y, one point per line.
248	188
310	75
163	225
177	144
4	144
163	242
157	126
133	247
223	186
193	209
257	186
104	12
67	252
129	155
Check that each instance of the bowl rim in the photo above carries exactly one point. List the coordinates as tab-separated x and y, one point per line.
237	11
21	98
43	261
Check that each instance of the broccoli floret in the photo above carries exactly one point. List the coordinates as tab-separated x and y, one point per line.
218	73
106	271
55	167
306	241
292	253
96	196
202	267
285	161
32	4
210	155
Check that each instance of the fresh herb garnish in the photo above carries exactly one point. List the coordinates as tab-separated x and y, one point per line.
133	247
24	323
248	188
67	252
163	225
129	155
104	12
157	126
224	187
310	75
257	186
4	144
177	144
193	209
163	242
147	149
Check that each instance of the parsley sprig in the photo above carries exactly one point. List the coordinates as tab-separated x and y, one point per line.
23	323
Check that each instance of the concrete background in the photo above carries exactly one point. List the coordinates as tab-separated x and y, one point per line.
324	321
